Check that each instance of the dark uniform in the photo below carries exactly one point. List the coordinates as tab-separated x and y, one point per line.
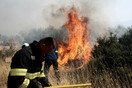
51	59
26	69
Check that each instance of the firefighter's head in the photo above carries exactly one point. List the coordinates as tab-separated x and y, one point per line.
46	45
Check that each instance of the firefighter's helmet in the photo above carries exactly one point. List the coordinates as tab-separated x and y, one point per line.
25	45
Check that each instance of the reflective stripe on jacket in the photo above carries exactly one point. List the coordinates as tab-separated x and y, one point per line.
23	72
25	67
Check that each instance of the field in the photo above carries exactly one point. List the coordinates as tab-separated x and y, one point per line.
75	76
66	76
5	67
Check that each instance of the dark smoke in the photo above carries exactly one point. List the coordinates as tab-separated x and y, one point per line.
37	34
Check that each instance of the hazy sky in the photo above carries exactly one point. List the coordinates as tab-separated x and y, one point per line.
18	15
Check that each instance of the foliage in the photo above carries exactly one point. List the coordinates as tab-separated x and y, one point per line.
8	49
112	56
126	40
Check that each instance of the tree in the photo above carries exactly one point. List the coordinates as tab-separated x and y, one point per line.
126	39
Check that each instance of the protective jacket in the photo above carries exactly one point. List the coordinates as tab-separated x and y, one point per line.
53	55
51	59
26	69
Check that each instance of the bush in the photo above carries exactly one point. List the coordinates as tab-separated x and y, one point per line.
112	60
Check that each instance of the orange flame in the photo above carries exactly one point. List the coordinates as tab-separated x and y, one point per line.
78	45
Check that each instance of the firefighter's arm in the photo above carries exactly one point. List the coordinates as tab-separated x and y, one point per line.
55	63
43	79
55	66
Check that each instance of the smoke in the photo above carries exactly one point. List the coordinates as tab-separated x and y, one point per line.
95	11
54	17
37	34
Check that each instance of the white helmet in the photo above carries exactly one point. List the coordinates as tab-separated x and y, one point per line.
25	45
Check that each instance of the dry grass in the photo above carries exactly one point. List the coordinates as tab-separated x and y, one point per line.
4	47
68	77
81	76
5	67
71	76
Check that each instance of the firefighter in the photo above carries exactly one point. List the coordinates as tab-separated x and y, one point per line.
51	59
26	67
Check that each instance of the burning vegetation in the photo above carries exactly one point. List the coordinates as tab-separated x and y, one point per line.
77	51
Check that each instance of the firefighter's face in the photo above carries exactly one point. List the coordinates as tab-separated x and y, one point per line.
45	49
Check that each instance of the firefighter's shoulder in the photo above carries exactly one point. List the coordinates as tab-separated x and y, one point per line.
23	53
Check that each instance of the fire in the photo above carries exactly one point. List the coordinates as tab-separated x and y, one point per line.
78	46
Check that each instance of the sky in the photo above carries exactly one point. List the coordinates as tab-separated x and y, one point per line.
123	12
23	15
